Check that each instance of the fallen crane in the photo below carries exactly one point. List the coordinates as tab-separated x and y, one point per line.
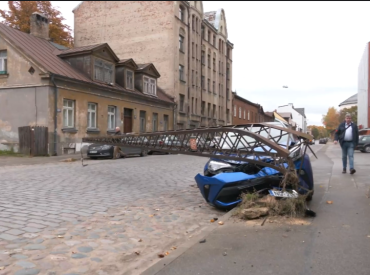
271	146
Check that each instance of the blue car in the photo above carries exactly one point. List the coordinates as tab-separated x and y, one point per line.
224	180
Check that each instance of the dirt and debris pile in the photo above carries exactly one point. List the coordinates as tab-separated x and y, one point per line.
262	203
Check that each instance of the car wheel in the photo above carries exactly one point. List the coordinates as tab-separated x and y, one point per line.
367	149
144	153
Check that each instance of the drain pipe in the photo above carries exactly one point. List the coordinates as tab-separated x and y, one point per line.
55	114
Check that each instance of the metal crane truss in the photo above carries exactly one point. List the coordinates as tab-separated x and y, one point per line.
262	144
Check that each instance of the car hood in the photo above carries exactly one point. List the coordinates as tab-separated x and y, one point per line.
257	149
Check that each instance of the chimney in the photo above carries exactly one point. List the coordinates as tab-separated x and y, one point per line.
40	25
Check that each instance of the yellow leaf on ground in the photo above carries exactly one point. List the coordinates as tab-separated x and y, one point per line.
329	202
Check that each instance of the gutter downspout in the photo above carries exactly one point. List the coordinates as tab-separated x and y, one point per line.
55	114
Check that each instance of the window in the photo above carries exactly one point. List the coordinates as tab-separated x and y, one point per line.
202	31
192	105
192	77
209	36
181	13
91	115
234	110
165	122
203	57
150	86
103	71
209	85
227	93
181	72
193	23
203	84
209	109
219	67
227	73
203	107
181	43
244	114
130	80
182	101
214	87
196	51
155	122
209	61
214	111
214	64
196	106
192	49
240	112
248	115
219	112
111	117
142	121
214	40
68	113
227	115
3	62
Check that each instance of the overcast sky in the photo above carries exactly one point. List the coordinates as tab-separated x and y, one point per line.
314	48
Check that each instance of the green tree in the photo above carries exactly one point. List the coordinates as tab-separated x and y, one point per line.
352	111
331	119
19	13
315	132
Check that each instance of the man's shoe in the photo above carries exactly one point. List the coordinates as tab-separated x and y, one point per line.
344	171
353	171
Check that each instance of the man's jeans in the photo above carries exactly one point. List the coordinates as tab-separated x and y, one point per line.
347	150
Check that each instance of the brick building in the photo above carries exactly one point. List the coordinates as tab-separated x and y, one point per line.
188	46
245	111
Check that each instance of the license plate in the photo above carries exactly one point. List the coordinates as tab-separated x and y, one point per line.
93	152
277	193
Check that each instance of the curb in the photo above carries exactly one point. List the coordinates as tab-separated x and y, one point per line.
161	264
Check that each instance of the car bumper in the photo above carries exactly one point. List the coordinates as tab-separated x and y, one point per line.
360	147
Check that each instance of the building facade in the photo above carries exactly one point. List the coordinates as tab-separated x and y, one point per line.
76	93
245	111
298	114
363	95
189	47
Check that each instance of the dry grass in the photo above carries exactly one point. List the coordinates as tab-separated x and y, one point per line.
292	207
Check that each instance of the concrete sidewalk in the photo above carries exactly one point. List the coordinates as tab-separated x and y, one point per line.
26	160
337	241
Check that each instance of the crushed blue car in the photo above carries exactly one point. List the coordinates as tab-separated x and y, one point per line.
224	180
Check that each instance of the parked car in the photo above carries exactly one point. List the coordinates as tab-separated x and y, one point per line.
322	141
223	181
95	151
363	144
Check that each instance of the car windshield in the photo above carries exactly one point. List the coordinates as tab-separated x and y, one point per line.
365	138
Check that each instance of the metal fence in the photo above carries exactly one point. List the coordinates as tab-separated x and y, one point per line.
33	140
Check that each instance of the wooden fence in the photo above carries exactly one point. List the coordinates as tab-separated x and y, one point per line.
33	140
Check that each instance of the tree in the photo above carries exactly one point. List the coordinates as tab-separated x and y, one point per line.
352	111
331	119
315	132
19	13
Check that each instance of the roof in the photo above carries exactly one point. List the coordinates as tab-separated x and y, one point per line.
349	101
44	53
301	111
270	114
210	16
245	100
285	114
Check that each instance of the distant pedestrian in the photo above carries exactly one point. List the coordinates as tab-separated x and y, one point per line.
347	135
117	131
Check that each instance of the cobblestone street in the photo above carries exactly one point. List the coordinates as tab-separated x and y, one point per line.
109	217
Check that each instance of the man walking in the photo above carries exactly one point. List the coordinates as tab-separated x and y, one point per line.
347	135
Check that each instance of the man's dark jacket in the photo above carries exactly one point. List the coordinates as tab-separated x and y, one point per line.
340	132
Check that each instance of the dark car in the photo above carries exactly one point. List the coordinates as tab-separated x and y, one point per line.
364	144
95	151
322	141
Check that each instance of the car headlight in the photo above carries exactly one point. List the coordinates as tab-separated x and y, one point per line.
216	165
105	147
